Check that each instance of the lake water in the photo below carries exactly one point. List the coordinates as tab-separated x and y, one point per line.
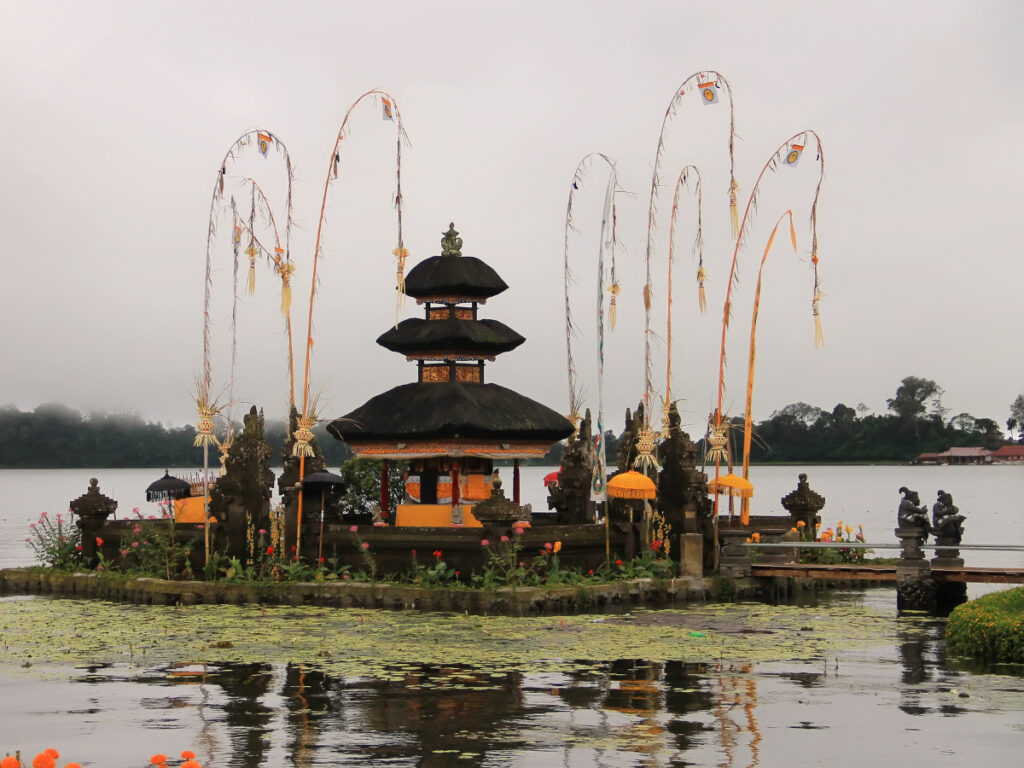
895	700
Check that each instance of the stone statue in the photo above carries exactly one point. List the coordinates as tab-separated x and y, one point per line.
910	514
571	495
947	522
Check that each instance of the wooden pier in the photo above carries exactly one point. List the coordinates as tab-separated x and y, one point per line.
885	573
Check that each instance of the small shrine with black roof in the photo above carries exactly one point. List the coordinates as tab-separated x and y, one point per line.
450	425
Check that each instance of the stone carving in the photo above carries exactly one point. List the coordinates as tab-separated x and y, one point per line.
571	495
241	498
682	488
911	515
92	509
947	522
803	505
497	509
451	243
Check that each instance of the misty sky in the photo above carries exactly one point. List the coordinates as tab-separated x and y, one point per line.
116	116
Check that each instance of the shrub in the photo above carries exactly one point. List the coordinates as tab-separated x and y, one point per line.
989	628
56	542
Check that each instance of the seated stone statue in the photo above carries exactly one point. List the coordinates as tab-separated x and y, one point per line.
910	514
947	522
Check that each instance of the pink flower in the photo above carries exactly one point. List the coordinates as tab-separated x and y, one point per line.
135	543
43	515
504	539
136	529
365	545
262	531
99	567
59	517
135	510
547	545
32	525
27	539
151	517
518	531
344	576
353	528
485	543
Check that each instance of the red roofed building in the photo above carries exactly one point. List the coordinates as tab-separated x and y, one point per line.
958	455
1009	453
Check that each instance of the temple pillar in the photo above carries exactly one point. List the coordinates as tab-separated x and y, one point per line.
384	494
515	481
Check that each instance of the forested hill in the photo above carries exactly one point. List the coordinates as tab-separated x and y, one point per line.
55	436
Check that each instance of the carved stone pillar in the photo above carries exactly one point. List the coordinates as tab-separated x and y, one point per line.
92	509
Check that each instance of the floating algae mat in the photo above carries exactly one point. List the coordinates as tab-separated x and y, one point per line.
371	643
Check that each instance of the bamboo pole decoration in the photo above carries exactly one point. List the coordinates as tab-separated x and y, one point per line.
263	141
788	154
747	425
390	112
706	85
698	246
278	259
569	278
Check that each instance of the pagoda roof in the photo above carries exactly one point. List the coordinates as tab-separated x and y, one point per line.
452	276
448	410
418	336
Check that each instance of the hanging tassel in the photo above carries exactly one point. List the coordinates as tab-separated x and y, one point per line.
613	289
337	159
285	270
401	254
819	337
647	296
645	459
702	299
303	437
734	214
252	250
220	181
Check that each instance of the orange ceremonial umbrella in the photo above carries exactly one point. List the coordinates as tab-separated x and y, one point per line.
732	485
632	485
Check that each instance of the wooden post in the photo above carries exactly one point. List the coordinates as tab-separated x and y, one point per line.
515	481
455	486
384	496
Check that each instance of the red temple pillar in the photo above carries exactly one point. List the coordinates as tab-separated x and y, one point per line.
515	481
384	495
455	486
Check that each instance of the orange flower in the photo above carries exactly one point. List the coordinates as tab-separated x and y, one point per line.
756	537
10	762
158	759
73	765
43	760
800	524
191	764
52	752
558	547
188	754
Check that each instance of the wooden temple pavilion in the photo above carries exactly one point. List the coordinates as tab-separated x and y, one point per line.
450	425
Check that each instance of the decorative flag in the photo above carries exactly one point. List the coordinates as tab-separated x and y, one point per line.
264	142
597	480
708	92
386	106
793	156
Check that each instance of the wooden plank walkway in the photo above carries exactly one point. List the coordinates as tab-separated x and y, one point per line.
885	573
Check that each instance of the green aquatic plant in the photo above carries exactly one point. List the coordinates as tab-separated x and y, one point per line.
351	642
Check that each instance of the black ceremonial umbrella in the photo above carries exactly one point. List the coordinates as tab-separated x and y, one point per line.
168	488
323	481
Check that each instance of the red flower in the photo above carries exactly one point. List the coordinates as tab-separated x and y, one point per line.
485	543
655	545
414	553
270	550
353	528
438	554
456	574
321	559
293	547
618	562
79	547
99	542
590	572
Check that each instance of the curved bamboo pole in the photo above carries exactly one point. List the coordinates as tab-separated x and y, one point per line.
308	418
698	244
707	78
575	394
776	159
747	418
205	404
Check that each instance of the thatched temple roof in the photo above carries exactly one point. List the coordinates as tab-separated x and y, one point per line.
444	410
452	275
485	338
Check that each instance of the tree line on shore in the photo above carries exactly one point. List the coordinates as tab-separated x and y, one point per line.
56	436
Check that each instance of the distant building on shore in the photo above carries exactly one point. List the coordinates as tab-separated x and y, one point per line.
958	455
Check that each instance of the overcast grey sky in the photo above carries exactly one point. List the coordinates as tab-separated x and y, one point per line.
115	117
